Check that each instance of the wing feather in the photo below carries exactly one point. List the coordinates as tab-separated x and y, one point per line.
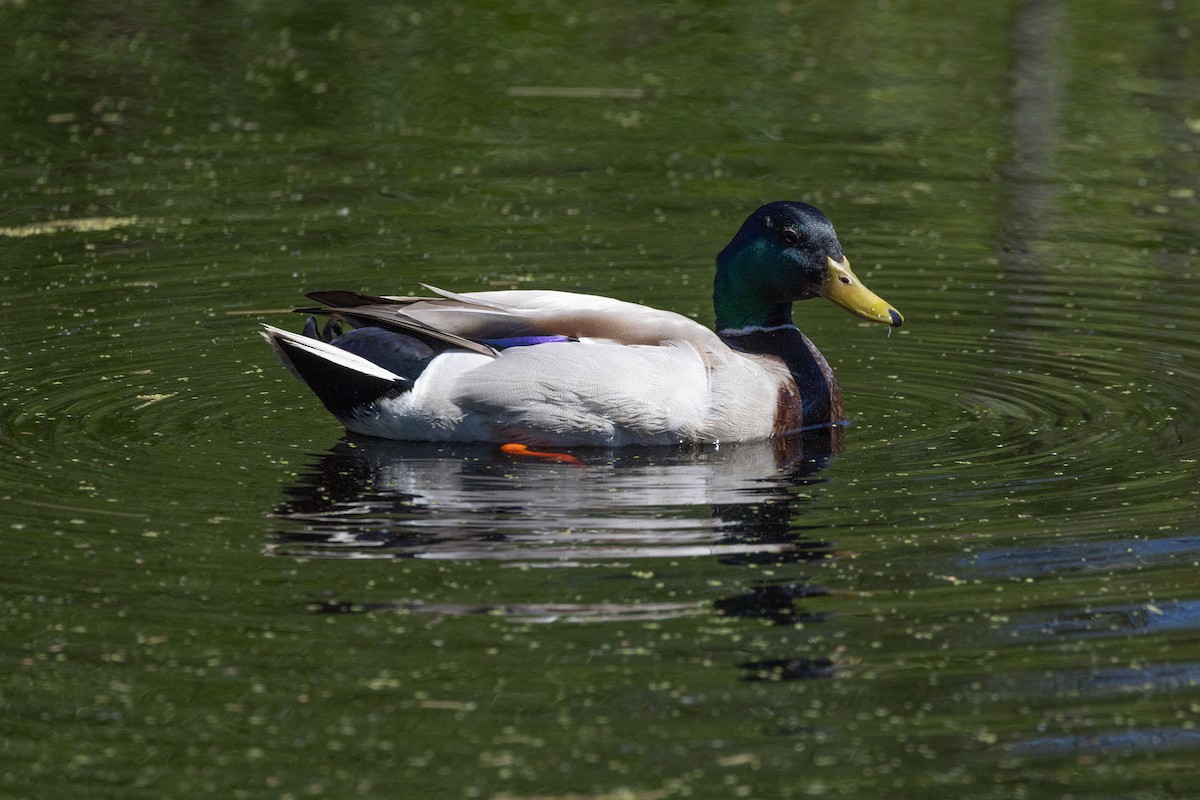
479	316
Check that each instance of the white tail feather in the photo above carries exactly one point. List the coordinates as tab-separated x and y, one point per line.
326	351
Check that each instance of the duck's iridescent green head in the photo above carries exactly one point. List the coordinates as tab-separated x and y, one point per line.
787	251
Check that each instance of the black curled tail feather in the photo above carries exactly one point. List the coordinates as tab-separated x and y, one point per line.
345	383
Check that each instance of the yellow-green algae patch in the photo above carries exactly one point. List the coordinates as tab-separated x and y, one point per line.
80	225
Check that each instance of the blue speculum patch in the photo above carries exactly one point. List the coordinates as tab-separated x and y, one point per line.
523	341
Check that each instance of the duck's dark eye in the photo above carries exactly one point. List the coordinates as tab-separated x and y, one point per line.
789	236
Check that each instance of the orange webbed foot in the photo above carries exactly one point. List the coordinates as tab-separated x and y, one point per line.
514	449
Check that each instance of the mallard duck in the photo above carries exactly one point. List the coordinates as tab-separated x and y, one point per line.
554	368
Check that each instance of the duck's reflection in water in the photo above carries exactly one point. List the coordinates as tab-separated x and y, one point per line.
371	498
376	499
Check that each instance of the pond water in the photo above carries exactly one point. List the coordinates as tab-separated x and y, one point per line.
988	588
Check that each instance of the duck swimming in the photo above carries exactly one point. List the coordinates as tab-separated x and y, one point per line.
554	368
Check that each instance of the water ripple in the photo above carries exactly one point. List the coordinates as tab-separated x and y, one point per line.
1069	409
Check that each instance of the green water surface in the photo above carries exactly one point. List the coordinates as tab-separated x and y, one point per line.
991	591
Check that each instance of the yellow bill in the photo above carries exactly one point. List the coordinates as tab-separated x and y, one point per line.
843	287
